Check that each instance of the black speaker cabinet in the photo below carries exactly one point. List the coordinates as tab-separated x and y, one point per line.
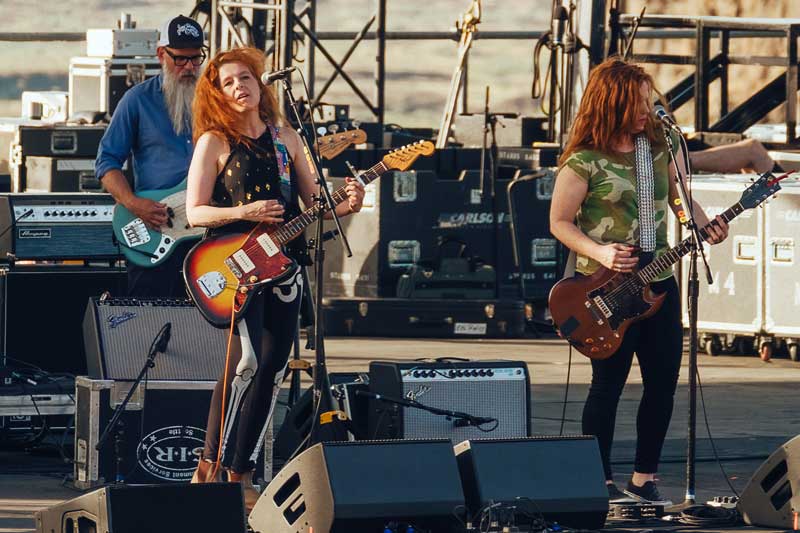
559	477
491	389
772	496
41	311
201	508
118	332
346	487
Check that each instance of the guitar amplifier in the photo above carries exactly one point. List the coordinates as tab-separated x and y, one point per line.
56	226
118	332
489	389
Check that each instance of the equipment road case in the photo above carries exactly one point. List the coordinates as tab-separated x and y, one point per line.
781	280
21	138
163	434
733	304
401	317
98	83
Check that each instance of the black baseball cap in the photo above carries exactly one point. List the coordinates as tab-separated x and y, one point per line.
181	32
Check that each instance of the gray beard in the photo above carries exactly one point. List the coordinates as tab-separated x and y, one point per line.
178	95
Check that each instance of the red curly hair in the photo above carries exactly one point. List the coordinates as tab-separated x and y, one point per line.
212	112
609	108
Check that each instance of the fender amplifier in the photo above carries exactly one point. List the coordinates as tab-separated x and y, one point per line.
56	226
499	390
118	332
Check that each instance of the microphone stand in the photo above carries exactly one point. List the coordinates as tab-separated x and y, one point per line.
468	419
693	288
322	400
159	346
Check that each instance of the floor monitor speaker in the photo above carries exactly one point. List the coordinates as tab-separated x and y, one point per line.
199	508
342	487
772	496
560	478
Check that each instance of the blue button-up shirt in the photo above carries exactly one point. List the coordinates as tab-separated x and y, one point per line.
141	125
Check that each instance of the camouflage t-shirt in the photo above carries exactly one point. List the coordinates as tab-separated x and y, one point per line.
610	211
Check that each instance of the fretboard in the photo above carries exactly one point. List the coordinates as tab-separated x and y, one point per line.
663	262
295	227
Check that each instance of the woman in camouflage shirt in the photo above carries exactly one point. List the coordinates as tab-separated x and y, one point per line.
595	213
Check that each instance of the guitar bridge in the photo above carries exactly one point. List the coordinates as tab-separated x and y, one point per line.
135	233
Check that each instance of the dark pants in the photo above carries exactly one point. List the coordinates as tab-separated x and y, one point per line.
658	344
162	281
271	322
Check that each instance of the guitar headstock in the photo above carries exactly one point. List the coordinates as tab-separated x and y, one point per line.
331	145
761	189
403	158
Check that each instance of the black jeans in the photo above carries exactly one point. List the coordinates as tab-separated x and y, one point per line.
162	281
658	344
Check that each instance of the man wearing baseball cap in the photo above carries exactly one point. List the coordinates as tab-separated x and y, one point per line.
153	124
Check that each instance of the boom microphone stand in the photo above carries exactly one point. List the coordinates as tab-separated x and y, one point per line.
159	346
693	287
323	401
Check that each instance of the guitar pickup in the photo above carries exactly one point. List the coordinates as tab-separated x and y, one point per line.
598	301
233	268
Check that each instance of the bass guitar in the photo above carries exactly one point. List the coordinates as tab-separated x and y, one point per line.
593	312
148	247
223	272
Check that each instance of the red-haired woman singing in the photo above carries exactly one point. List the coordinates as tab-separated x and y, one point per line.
611	195
245	170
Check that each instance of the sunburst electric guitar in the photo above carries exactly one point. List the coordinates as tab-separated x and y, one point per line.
223	272
148	247
593	312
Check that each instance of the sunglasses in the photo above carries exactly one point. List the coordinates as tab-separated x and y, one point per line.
180	61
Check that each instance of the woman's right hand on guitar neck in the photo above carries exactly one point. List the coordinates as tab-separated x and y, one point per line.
617	257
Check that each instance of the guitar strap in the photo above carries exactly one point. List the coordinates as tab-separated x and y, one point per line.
645	184
284	165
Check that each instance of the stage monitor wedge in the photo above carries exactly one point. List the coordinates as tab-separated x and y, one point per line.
560	478
346	487
199	508
772	496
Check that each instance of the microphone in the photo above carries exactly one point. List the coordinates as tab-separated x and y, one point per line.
163	339
368	394
472	421
270	77
557	25
664	117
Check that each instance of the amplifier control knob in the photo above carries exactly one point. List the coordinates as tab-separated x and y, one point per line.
451	373
416	373
47	213
490	372
63	213
459	373
482	372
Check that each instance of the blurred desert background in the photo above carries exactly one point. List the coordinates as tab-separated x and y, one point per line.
418	72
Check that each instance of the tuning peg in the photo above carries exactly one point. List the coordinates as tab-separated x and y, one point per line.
355	123
333	128
322	130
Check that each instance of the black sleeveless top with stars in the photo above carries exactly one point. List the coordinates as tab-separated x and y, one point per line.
251	174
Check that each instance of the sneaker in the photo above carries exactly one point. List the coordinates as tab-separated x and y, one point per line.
647	493
616	496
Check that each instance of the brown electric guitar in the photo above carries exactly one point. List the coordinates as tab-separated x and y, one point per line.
593	312
223	272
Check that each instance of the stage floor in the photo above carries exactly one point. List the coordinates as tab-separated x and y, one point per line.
750	407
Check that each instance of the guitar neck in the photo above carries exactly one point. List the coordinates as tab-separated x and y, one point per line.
295	227
649	273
